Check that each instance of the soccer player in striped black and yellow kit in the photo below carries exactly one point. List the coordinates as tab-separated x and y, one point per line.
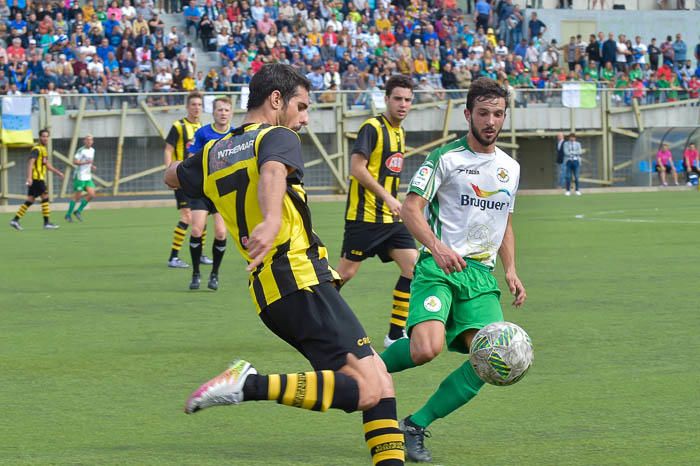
372	222
37	166
254	177
180	137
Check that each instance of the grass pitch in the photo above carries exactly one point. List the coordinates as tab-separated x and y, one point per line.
100	345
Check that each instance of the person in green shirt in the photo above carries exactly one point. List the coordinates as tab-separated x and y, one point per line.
607	73
591	69
636	72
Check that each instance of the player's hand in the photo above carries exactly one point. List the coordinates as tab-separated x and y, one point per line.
445	258
28	182
394	206
93	168
61	175
260	242
517	288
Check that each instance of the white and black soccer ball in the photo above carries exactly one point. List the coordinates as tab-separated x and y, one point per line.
501	353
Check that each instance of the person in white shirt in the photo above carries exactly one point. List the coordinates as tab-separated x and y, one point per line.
639	50
82	180
621	55
459	206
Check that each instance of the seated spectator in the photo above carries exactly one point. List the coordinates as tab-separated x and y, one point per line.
664	164
424	91
193	17
691	162
420	66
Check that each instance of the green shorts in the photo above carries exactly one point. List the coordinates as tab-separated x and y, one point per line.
464	300
79	185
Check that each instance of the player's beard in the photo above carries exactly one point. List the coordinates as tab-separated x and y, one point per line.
483	140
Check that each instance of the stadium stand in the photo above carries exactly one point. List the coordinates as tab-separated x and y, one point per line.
101	48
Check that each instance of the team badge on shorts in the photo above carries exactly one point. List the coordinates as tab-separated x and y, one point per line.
432	304
502	175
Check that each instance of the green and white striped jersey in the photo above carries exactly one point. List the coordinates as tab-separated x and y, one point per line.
470	196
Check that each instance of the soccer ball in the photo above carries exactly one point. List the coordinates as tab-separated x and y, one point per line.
501	353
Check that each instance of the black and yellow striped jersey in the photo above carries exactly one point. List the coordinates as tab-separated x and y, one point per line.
181	136
384	146
227	171
40	155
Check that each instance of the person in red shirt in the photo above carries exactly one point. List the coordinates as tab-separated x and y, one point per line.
15	52
691	162
387	37
694	87
330	38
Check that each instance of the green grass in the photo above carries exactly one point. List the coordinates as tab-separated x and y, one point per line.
100	345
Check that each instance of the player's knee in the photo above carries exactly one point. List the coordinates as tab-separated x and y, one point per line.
197	230
370	394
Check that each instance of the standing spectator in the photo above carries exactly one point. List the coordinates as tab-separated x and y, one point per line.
535	26
621	54
483	15
572	160
680	49
697	54
593	49
639	52
654	53
609	50
561	167
664	164
668	52
691	162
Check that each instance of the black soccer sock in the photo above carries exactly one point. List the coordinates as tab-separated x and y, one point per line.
317	391
195	252
218	251
45	211
178	239
399	311
22	210
382	434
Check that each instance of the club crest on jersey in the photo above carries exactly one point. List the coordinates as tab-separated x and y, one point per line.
502	175
432	304
395	162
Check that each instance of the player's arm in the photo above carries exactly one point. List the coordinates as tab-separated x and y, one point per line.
507	254
187	175
169	149
30	165
53	169
271	190
358	169
279	155
412	215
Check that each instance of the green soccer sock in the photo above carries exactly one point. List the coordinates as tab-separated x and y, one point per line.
454	392
83	203
71	206
397	357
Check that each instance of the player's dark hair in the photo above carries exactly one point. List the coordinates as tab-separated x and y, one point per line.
398	80
275	77
44	130
194	95
483	89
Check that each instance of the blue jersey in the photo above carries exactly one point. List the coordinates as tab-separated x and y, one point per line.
204	135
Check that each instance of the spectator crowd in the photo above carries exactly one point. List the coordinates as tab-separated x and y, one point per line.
113	47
